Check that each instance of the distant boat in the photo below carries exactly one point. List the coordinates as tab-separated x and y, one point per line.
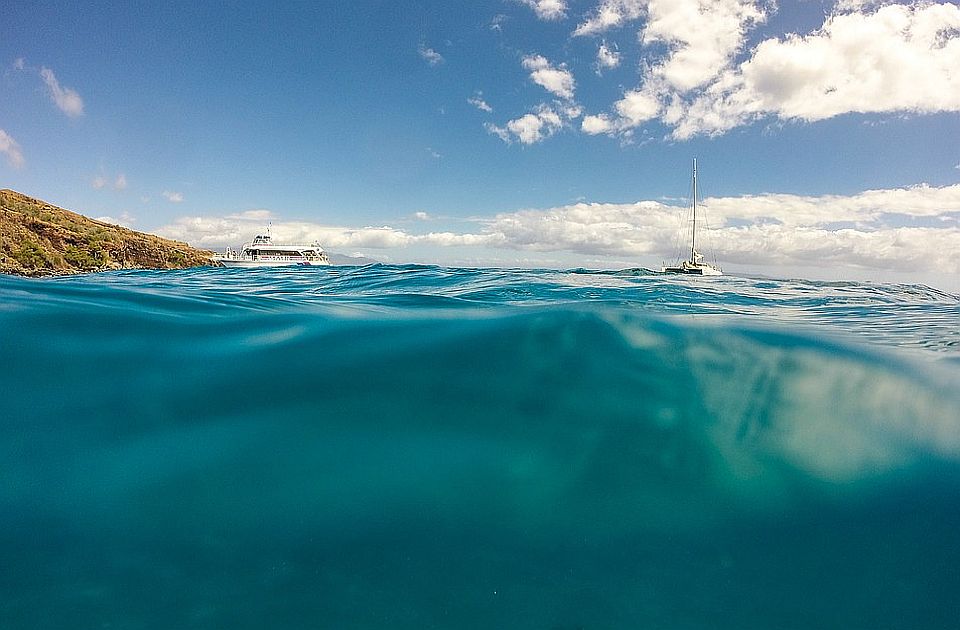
695	265
263	252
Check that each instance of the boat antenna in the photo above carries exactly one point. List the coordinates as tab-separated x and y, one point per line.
693	240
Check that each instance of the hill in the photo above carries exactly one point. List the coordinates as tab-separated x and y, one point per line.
39	239
344	259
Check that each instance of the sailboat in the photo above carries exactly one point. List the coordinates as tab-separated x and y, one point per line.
695	265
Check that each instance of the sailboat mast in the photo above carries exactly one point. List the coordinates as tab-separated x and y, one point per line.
693	240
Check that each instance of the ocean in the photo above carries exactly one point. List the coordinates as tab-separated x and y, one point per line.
428	447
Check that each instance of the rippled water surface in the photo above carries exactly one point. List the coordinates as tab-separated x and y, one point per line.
423	447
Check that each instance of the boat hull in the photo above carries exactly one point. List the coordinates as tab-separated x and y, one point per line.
698	270
235	262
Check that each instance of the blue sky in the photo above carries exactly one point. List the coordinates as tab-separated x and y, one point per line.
509	132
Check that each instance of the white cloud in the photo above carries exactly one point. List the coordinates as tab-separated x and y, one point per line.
259	215
557	81
66	99
500	132
98	182
857	5
172	196
637	107
701	40
611	14
878	229
607	57
477	101
763	229
19	63
867	57
702	37
531	128
431	56
900	58
548	9
10	148
234	229
421	216
496	24
594	125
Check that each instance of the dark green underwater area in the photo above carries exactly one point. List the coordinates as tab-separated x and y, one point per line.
426	447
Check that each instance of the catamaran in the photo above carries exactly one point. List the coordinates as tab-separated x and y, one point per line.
695	265
263	252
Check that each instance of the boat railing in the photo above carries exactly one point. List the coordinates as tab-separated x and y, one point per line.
231	254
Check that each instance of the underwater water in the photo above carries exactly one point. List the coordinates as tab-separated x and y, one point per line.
424	447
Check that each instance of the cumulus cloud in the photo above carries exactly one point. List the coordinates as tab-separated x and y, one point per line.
867	57
594	125
548	9
98	182
477	101
914	229
10	148
173	196
900	58
703	38
501	132
557	81
259	215
530	128
637	107
611	14
764	229
19	63
232	230
429	55
66	99
546	119
607	57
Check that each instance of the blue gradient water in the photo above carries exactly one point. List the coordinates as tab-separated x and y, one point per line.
421	447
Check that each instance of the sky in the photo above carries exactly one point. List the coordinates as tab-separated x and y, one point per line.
519	133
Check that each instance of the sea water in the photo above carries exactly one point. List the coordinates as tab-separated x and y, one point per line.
425	447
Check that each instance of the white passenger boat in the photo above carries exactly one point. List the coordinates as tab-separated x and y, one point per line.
263	252
695	265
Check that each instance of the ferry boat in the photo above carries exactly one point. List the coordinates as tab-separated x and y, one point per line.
695	265
263	252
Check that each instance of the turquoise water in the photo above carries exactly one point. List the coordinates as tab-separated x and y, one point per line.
423	447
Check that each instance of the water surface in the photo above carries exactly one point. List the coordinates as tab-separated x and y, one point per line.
425	447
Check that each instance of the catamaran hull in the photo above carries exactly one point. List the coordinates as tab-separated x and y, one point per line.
701	271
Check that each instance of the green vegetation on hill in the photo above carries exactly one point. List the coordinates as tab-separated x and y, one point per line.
37	239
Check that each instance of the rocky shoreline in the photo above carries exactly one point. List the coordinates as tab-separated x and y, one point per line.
38	239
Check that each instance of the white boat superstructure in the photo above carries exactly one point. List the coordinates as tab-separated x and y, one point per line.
695	265
263	252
